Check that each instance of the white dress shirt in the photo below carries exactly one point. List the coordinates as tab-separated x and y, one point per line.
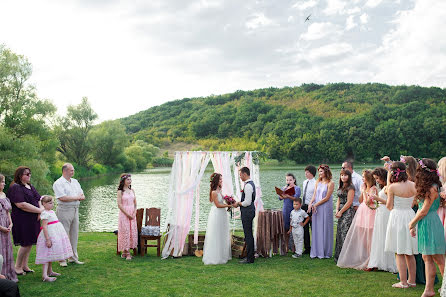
357	183
248	190
62	187
310	190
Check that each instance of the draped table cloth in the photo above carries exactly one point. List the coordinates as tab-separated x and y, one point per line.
271	237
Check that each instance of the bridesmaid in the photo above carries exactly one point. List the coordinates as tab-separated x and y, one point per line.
6	251
356	250
431	241
378	257
344	209
321	205
400	196
127	229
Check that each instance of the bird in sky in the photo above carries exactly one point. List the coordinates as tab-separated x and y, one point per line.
308	18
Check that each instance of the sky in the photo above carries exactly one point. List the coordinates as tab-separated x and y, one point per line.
127	56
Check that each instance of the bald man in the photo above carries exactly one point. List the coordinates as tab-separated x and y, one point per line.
69	193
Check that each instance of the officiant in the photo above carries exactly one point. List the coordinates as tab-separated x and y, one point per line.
290	193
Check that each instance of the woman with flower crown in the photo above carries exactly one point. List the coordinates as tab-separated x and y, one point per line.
431	242
401	194
217	242
127	229
355	252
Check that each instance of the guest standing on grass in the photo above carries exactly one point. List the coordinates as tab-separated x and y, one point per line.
69	193
288	202
356	180
308	191
378	257
401	193
355	252
321	205
127	229
8	288
431	241
344	209
6	251
298	219
25	216
53	243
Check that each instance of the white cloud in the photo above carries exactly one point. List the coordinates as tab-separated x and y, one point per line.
320	30
303	5
373	3
364	18
330	50
353	10
414	52
335	7
257	20
350	23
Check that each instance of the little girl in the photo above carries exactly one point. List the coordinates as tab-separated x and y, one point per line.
53	243
6	251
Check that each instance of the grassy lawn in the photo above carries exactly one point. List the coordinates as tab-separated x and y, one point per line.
106	274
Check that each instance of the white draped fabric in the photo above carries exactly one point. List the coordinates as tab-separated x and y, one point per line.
187	171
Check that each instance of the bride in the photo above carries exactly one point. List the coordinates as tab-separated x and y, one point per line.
217	242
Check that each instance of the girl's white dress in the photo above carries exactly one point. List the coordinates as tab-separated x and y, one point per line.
217	242
378	257
398	238
61	246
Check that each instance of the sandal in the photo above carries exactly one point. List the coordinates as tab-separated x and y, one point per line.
411	285
128	258
54	274
49	279
28	270
400	285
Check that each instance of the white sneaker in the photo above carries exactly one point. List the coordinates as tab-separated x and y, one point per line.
296	256
63	264
75	261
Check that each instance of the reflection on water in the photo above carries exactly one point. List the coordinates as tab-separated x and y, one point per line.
99	211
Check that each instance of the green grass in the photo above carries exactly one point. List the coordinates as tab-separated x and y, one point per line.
106	274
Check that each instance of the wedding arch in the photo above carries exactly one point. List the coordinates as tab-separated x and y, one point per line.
184	188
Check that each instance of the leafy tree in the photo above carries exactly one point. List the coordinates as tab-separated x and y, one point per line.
73	132
108	141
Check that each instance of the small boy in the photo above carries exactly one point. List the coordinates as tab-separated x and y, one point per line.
297	224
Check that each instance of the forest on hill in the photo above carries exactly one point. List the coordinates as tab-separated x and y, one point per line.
309	123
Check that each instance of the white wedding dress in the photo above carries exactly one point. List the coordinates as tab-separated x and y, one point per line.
217	242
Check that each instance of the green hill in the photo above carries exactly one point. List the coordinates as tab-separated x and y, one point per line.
317	123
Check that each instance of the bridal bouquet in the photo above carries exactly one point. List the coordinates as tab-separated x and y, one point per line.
229	200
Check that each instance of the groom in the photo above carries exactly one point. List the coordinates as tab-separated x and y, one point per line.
248	211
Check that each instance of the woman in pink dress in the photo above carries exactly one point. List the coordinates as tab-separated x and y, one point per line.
127	229
6	251
355	252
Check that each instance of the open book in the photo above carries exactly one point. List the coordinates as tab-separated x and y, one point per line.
290	191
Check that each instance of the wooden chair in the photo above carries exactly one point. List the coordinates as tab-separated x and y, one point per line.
153	218
139	216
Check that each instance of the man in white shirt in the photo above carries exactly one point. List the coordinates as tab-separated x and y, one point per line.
69	193
308	190
357	182
248	212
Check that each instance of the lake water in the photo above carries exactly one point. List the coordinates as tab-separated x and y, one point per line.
99	211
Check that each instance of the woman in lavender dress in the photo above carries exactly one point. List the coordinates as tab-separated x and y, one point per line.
25	211
321	206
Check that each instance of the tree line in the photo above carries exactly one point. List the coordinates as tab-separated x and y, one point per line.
32	134
310	123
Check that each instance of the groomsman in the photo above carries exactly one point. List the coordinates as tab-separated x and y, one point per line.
248	212
356	180
69	193
308	191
